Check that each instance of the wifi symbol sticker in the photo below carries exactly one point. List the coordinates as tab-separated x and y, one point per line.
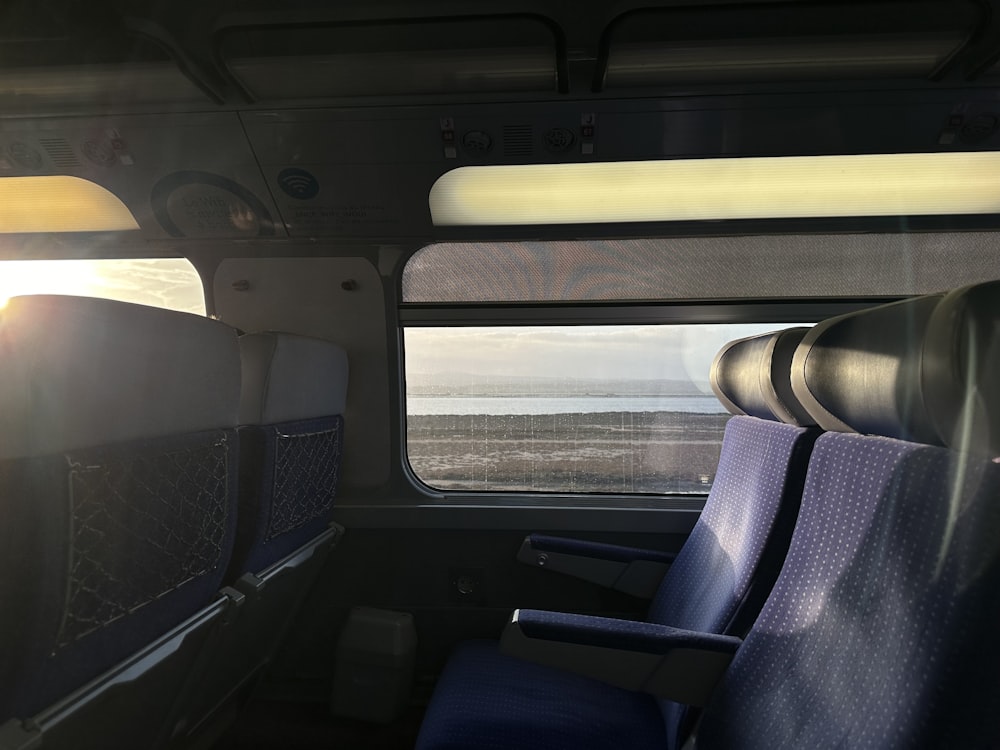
298	183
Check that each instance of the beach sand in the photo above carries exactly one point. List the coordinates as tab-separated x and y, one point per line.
645	452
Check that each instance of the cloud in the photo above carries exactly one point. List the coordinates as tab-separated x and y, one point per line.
640	352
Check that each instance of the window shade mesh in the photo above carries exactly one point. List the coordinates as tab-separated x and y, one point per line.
785	266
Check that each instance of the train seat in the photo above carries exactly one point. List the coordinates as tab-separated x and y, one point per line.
487	698
291	441
879	632
118	471
292	417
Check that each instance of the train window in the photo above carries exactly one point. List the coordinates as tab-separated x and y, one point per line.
172	283
565	409
581	366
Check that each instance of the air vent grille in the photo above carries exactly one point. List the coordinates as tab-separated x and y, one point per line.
518	140
60	152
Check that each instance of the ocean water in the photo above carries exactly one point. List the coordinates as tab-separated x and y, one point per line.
504	405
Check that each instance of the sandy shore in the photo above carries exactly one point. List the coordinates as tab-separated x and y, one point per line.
652	452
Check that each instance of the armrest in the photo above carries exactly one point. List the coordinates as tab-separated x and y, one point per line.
628	569
678	665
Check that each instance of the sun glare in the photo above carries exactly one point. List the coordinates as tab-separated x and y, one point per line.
21	277
160	282
31	276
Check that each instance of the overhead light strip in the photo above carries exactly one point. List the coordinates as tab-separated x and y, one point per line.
717	189
60	203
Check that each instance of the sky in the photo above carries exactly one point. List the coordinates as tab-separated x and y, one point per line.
639	352
161	282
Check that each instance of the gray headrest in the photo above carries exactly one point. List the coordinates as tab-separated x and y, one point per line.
961	368
861	372
288	377
79	372
752	376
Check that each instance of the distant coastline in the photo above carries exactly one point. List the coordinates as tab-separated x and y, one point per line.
458	385
658	452
539	404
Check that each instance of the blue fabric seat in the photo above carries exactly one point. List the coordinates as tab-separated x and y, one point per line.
880	631
552	708
118	477
294	392
292	407
486	699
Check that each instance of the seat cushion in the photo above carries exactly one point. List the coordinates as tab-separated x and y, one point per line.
489	701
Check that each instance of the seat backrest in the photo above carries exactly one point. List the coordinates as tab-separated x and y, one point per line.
760	470
292	406
291	439
879	631
118	481
725	570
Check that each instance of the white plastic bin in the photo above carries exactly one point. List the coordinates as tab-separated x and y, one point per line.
373	677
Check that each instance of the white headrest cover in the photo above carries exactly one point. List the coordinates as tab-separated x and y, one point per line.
79	372
288	377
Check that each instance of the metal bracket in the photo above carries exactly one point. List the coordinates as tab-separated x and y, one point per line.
235	600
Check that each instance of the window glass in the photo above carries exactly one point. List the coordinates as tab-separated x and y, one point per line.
578	409
171	283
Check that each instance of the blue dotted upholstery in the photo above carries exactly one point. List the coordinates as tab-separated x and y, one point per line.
712	572
491	695
880	632
761	472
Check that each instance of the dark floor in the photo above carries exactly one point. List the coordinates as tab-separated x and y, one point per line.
305	726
